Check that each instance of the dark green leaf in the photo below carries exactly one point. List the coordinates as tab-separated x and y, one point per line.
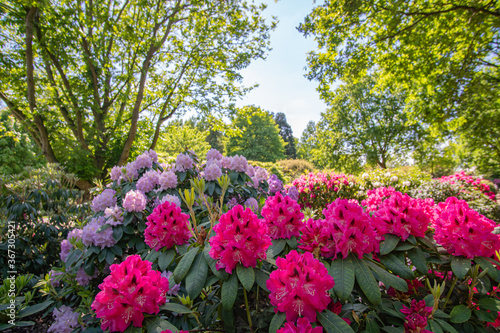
277	322
158	325
165	258
110	257
261	279
342	272
118	233
460	314
388	279
175	307
276	248
417	258
229	292
389	244
397	266
435	327
195	279
366	281
34	309
447	327
184	264
492	272
332	323
489	303
390	329
460	266
246	275
486	316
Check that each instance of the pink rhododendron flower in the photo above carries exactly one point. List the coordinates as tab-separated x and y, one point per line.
303	326
376	197
299	287
313	239
476	182
349	229
171	198
464	232
105	199
241	237
252	204
283	216
183	162
131	289
167	226
214	154
65	320
148	181
212	170
401	215
416	316
135	201
167	179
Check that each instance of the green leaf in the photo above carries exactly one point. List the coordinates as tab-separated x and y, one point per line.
73	257
492	272
405	246
342	272
229	292
132	329
417	258
435	327
460	266
276	248
34	309
6	326
486	316
128	218
332	323
397	266
447	327
389	244
277	322
118	233
390	329
367	281
292	242
388	279
110	257
152	256
165	259
184	265
158	325
195	279
489	303
261	279
246	275
460	314
176	307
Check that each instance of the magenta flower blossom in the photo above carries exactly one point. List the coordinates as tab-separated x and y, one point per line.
376	197
104	200
403	216
464	232
240	238
303	326
167	226
183	162
168	179
131	290
283	216
65	320
135	201
313	238
148	181
300	285
416	316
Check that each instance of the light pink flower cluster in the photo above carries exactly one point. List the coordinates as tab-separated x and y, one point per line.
167	179
65	320
212	170
240	238
464	232
259	175
66	246
375	198
474	181
401	215
303	326
252	204
130	172
214	154
92	236
283	216
105	199
148	181
131	289
346	229
183	162
135	201
167	226
116	173
143	161
171	198
416	316
237	163
299	287
113	215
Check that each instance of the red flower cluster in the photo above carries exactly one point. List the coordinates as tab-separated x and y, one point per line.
283	216
474	181
416	316
240	238
401	215
346	228
167	226
464	232
131	289
375	197
303	326
299	287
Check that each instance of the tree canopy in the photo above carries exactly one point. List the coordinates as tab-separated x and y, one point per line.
287	135
84	78
260	139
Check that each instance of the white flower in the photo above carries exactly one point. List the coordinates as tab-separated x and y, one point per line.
387	174
377	184
407	183
394	179
364	176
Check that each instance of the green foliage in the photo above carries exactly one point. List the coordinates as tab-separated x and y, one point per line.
92	81
295	168
402	179
308	146
439	158
179	137
287	135
260	139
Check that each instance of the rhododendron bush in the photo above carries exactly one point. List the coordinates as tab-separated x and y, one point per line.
214	244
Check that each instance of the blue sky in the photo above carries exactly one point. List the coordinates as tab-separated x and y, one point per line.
282	85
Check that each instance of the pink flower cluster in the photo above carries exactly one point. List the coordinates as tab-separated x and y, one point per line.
241	237
375	197
148	181
131	170
131	289
462	177
236	163
167	226
214	154
283	216
257	174
303	326
401	215
416	316
212	170
167	179
300	285
92	235
464	232
105	199
183	162
113	215
65	320
135	201
66	246
346	228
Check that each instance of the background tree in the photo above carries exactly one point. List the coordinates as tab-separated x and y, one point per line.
85	78
365	126
308	144
287	135
260	139
180	136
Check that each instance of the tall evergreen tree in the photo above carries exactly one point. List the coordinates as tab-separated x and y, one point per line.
287	135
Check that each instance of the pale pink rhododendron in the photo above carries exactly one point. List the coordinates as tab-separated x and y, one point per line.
131	289
135	201
299	287
104	200
376	197
241	237
167	179
283	216
464	232
148	181
167	226
303	326
416	316
401	215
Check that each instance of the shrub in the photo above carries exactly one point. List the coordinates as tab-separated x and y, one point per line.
401	179
295	168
